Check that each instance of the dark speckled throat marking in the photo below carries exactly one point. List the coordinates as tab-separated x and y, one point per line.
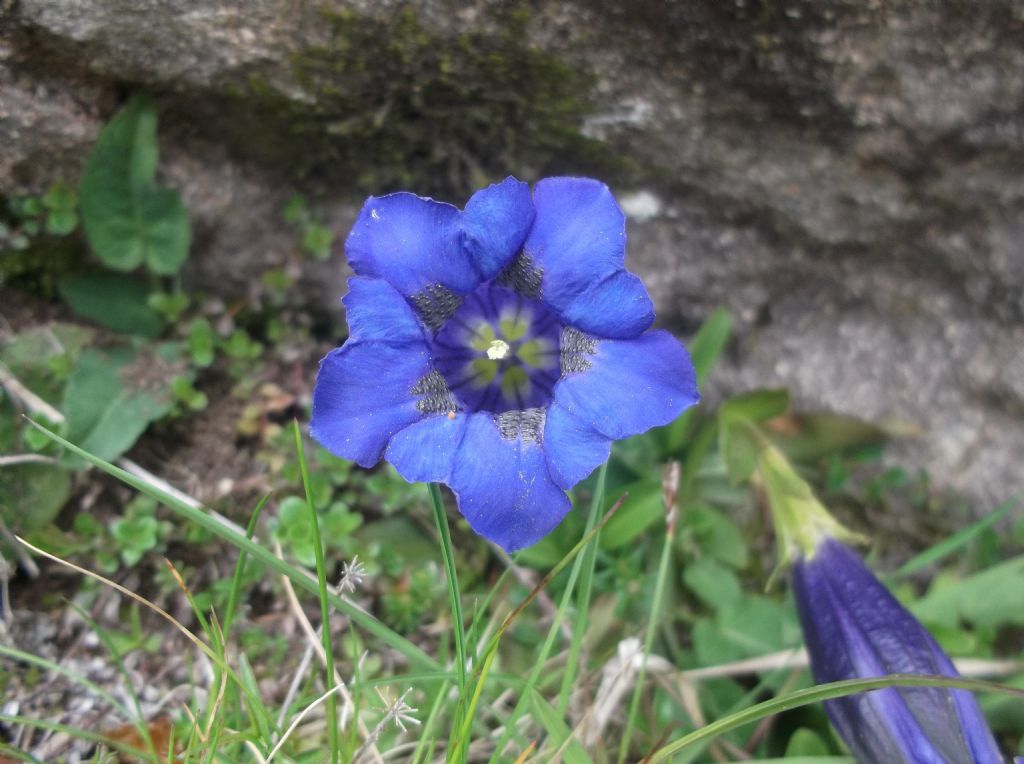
437	398
523	276
574	347
527	424
436	303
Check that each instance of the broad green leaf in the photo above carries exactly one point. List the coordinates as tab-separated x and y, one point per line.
31	495
992	597
114	300
717	535
751	626
129	220
643	507
112	396
713	582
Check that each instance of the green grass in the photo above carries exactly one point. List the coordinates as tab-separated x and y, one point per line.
495	675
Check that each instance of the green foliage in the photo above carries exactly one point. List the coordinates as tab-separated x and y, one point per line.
170	305
117	301
129	220
54	213
137	531
695	596
113	395
988	598
294	529
316	239
185	393
31	494
61	204
201	342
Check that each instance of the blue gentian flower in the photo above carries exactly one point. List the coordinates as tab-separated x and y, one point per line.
498	349
854	628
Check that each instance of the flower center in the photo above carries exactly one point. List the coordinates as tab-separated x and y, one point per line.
499	351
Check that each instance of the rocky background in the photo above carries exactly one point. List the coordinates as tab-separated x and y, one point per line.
846	177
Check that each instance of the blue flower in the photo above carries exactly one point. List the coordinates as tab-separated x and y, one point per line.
854	628
498	349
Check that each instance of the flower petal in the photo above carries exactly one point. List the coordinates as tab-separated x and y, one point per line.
363	396
412	243
503	486
496	221
424	452
619	307
578	241
376	311
631	385
573	448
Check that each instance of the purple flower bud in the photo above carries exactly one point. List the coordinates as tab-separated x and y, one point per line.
854	628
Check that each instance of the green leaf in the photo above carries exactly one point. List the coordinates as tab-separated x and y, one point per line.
750	626
758	405
201	342
296	210
61	197
32	495
993	597
805	742
129	220
715	584
740	444
812	436
61	222
709	342
136	536
642	508
717	535
113	300
317	240
739	439
111	397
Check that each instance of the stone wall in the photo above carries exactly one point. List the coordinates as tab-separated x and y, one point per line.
847	177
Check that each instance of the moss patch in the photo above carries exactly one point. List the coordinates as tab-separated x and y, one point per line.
393	105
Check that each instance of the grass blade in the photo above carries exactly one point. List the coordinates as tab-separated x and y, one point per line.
820	693
325	615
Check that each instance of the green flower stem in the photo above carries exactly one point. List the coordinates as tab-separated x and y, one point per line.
817	694
454	599
455	602
325	623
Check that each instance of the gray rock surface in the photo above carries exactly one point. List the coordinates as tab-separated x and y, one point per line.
847	177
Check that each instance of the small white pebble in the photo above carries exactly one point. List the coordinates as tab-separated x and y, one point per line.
641	206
